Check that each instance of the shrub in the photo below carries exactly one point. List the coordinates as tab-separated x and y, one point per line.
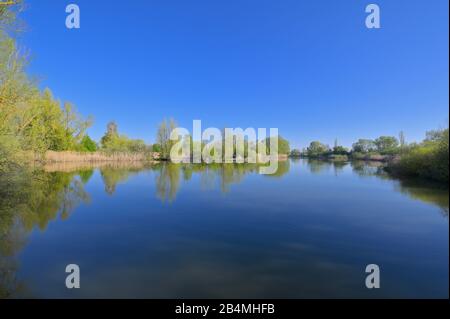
429	159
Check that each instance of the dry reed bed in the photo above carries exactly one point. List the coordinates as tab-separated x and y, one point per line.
69	167
97	157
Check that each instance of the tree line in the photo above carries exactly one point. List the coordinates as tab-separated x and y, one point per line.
427	159
384	145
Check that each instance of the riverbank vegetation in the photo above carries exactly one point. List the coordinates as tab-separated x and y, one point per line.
382	148
31	120
36	126
428	159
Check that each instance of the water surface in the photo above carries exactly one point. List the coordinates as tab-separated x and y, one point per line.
172	231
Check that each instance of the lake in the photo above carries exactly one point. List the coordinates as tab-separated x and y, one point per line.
222	231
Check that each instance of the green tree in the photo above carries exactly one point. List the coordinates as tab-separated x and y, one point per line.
111	134
339	150
295	153
88	145
364	146
156	148
112	141
387	145
317	149
163	137
284	147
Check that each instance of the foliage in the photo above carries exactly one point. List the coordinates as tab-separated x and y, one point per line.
163	137
317	149
364	146
387	145
30	120
113	142
284	147
340	150
295	153
156	148
111	133
430	159
88	145
9	153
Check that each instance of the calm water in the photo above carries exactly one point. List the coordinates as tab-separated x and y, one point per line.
169	231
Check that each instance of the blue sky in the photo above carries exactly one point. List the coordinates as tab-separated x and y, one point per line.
310	68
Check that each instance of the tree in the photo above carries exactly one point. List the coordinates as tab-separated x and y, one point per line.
340	150
387	144
74	126
435	135
295	153
364	146
163	137
88	145
402	141
8	15
283	146
156	148
317	149
112	141
138	146
111	134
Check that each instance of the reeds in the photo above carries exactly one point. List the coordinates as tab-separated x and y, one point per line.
69	167
97	157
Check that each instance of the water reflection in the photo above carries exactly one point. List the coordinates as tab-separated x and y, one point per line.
31	199
28	200
428	193
168	181
368	169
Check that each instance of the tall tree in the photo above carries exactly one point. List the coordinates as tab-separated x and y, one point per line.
386	144
364	146
163	137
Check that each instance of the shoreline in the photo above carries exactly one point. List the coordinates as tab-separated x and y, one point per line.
68	161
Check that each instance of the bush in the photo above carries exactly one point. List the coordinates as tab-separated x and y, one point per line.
88	145
429	159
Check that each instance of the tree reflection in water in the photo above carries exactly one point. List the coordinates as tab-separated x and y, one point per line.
31	199
28	200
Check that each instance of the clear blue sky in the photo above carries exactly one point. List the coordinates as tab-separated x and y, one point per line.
310	68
